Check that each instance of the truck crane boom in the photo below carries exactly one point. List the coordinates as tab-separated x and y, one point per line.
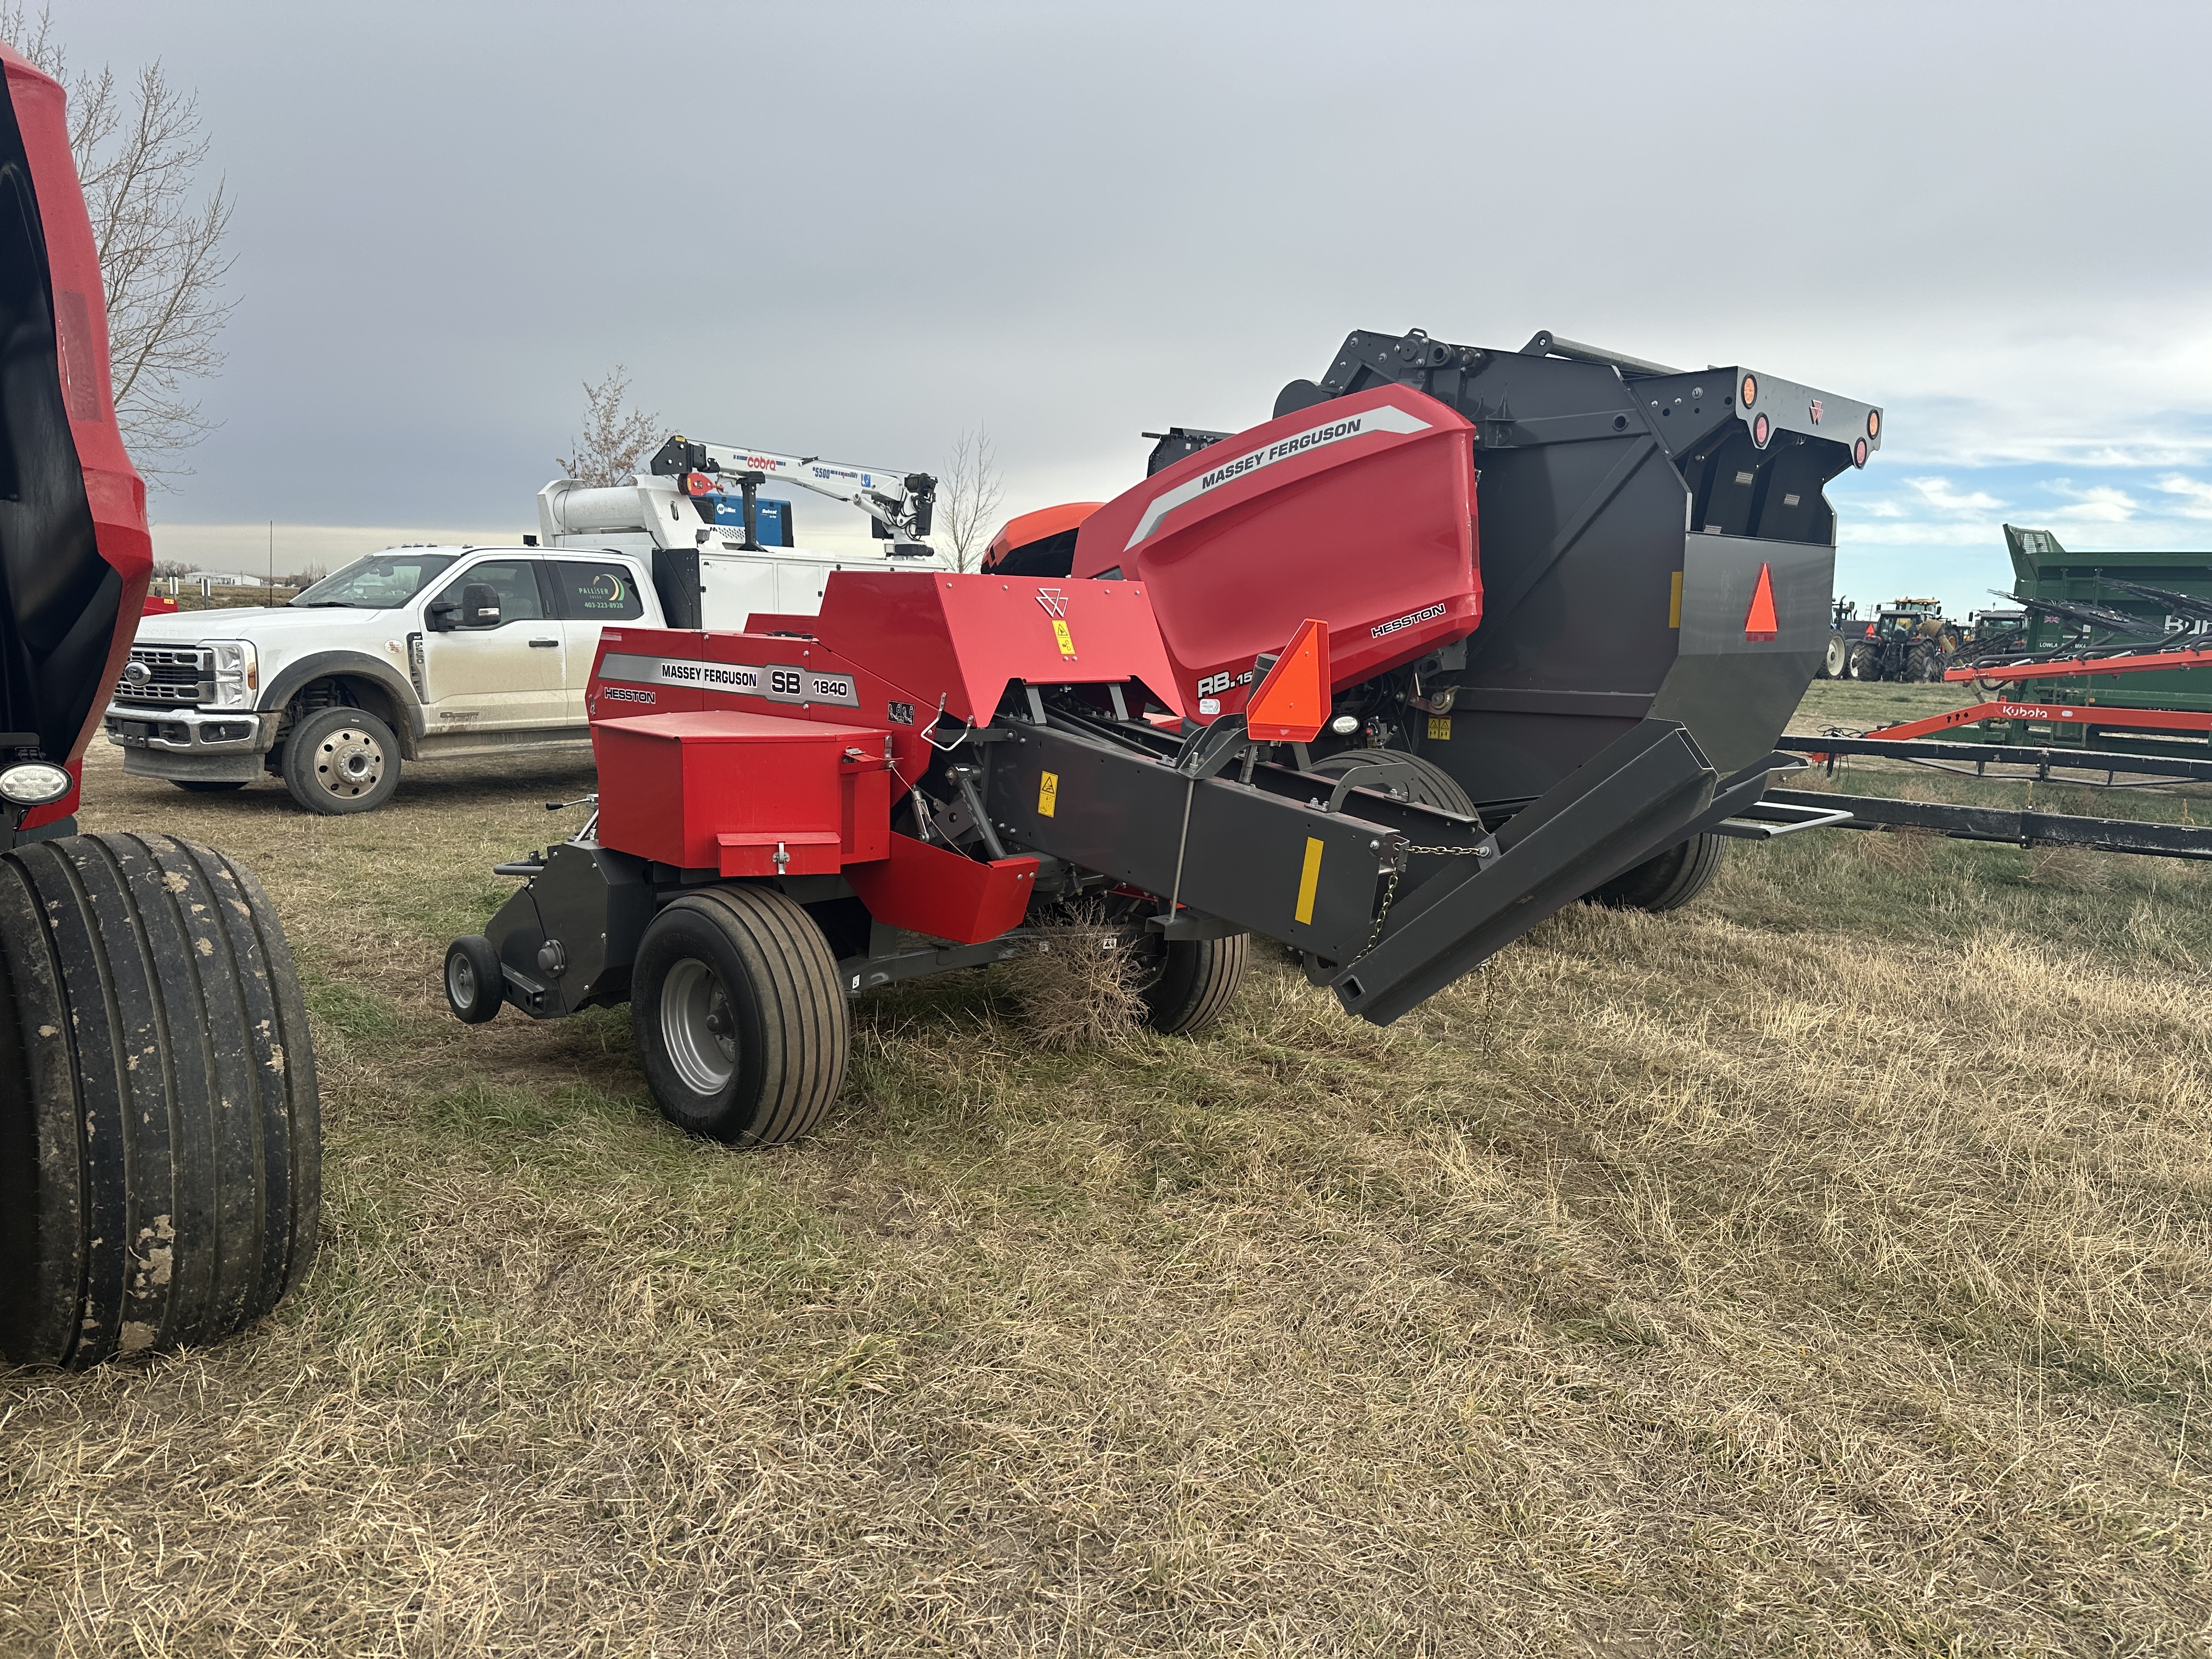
900	503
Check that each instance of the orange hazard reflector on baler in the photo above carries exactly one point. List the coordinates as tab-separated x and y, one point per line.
1758	623
1292	702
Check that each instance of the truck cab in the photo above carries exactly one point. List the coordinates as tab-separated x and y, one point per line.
411	653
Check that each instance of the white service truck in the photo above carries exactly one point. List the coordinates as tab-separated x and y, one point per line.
424	653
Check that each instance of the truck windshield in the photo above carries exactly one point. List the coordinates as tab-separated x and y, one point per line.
378	582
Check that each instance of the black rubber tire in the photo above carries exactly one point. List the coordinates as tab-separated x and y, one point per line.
475	986
209	786
160	1154
1430	786
791	1035
1668	882
1926	665
316	749
1864	663
1835	657
1194	982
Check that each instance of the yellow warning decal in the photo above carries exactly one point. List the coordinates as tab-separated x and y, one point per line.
1674	603
1067	641
1048	793
1308	879
1440	728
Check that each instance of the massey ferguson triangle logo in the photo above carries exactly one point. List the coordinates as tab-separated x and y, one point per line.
1814	410
1053	601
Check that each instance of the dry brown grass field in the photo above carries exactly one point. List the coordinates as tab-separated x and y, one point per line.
1821	1269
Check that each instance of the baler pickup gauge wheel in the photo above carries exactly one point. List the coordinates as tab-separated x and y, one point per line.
473	981
740	1016
159	1160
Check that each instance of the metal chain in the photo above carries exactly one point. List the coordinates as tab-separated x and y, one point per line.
1390	892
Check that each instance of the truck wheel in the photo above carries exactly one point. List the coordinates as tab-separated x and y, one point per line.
1668	882
475	986
1194	981
341	760
209	786
1864	663
160	1153
740	1016
1835	658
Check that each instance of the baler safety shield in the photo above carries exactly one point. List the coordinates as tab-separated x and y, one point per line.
1359	513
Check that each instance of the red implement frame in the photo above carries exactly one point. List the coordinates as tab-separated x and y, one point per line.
2054	714
2075	668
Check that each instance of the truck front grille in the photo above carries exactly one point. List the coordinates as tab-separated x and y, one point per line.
175	677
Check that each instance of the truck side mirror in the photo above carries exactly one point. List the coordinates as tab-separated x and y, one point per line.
479	605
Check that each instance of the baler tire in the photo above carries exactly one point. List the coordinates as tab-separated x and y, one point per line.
754	959
1433	786
209	786
317	759
1194	982
161	1157
476	987
1665	883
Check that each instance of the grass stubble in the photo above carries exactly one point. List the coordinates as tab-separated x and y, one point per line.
1823	1268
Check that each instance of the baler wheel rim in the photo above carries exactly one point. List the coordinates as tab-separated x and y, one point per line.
696	1026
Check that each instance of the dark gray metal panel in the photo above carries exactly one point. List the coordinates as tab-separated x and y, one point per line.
1719	576
1639	798
1121	815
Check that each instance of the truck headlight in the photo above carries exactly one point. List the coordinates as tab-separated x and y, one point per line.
234	671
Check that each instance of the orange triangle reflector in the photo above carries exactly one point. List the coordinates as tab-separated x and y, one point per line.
1758	623
1290	705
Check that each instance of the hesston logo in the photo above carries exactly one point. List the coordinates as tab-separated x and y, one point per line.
1759	623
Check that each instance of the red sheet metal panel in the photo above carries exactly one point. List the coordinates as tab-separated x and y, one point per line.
940	893
112	488
744	794
1358	511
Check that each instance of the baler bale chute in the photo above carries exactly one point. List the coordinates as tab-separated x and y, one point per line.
1458	638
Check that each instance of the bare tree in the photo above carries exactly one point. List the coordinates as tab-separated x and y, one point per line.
968	497
167	568
615	438
139	150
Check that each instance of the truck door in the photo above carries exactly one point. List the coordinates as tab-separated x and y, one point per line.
500	676
589	594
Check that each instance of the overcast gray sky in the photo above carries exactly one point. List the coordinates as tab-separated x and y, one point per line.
855	230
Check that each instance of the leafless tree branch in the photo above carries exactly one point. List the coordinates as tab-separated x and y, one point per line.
613	444
162	256
969	496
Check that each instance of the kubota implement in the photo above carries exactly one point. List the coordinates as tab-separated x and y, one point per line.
1272	689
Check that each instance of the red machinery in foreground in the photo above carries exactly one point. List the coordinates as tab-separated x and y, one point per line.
159	1153
1272	689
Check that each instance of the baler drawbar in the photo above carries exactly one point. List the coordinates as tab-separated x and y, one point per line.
1274	688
